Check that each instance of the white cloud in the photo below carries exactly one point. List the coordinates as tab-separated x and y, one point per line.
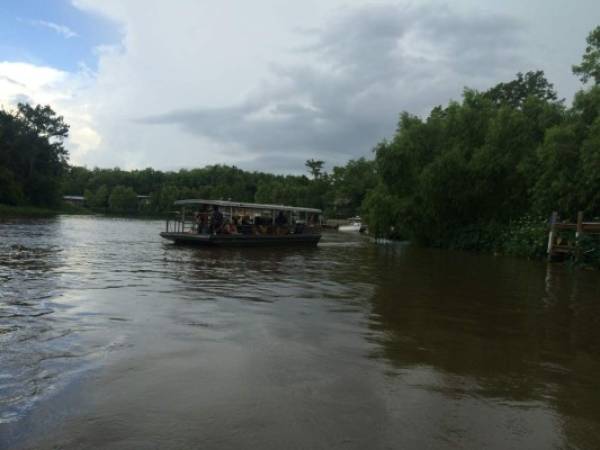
63	30
24	82
24	78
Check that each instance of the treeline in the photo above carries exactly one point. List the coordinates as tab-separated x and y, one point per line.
34	171
486	172
340	193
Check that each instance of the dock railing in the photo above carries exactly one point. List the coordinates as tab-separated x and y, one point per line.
564	238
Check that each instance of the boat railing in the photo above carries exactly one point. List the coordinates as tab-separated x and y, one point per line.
185	221
178	224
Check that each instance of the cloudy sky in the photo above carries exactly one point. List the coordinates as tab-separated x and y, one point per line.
267	84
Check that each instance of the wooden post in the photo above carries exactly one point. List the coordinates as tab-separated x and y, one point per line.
579	225
578	234
552	234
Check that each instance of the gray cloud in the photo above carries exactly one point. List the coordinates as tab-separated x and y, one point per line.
11	81
358	72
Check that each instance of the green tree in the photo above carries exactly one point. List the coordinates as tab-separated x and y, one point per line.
382	211
10	191
31	149
123	199
515	92
589	180
569	160
589	69
468	167
163	202
349	185
315	167
88	197
75	180
101	197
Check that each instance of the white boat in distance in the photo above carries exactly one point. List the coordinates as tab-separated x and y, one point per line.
355	226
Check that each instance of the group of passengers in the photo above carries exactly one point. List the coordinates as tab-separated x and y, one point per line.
215	223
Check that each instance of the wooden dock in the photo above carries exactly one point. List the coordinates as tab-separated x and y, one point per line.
563	238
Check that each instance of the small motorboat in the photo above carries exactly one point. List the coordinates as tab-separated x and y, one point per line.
355	225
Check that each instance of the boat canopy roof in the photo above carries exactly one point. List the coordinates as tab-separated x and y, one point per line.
224	203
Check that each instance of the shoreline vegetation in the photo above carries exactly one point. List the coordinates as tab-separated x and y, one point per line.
481	174
11	211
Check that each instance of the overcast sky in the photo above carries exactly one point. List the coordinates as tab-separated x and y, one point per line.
267	84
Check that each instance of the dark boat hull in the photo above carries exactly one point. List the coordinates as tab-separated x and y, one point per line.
242	240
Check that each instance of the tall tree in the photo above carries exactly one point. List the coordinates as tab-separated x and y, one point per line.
589	69
44	122
314	167
515	92
31	149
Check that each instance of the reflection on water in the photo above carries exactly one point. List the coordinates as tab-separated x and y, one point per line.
111	338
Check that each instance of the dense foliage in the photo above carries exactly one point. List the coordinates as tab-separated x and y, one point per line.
339	193
490	159
486	172
32	156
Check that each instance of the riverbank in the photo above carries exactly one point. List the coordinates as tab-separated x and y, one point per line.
524	238
35	211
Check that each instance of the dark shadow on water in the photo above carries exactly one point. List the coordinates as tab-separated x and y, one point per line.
512	331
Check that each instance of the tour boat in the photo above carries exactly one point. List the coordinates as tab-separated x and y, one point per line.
355	226
227	223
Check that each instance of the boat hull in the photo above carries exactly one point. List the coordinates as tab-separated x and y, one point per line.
242	240
353	228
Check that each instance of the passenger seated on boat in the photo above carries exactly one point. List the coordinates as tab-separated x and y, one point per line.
230	228
280	220
259	225
244	225
244	229
204	228
281	224
216	220
198	221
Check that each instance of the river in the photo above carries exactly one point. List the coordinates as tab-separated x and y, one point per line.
112	338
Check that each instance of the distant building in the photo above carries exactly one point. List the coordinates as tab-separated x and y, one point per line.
75	200
79	200
143	200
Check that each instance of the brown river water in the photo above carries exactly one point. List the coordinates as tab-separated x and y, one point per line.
111	338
